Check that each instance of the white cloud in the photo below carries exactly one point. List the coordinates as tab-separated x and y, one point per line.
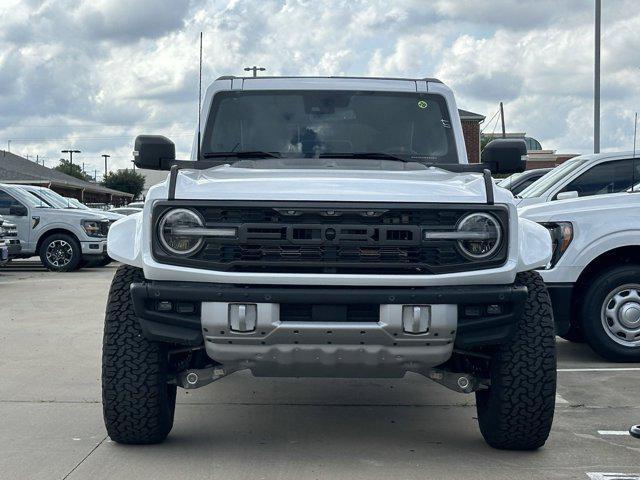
95	73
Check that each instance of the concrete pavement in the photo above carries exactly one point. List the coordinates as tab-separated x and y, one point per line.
243	427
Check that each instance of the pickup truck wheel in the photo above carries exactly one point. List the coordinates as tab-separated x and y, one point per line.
60	253
516	412
138	403
611	314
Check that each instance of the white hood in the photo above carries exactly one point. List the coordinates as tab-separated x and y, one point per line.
430	185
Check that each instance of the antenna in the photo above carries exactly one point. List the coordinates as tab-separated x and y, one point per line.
199	96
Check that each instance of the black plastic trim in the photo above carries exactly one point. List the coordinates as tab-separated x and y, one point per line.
562	302
185	329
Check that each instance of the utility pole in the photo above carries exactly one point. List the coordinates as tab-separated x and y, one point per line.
255	70
596	80
504	132
9	146
70	152
105	156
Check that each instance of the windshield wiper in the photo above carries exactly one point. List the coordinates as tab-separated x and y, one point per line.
364	155
242	154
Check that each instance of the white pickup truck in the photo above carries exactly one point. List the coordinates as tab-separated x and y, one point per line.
594	274
584	176
62	238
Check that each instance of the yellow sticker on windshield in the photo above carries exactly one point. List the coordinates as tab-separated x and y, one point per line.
422	104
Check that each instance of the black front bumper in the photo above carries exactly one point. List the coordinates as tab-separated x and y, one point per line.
476	326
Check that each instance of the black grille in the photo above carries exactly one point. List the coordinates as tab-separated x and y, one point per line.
332	238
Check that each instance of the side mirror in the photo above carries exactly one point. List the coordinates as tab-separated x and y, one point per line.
567	195
504	155
154	152
18	210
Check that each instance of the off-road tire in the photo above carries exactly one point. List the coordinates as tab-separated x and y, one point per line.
595	296
76	256
138	403
516	412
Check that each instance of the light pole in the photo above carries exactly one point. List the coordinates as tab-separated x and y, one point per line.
596	81
70	152
255	70
105	156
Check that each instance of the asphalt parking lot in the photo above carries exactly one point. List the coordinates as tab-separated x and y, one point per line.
243	427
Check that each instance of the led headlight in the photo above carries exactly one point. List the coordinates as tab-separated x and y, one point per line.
479	235
179	231
93	228
561	237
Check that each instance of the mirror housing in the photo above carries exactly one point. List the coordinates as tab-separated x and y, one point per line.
18	210
504	155
154	152
567	195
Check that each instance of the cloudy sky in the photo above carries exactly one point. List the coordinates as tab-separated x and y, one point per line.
93	74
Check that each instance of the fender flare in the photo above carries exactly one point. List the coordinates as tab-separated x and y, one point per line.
534	245
124	242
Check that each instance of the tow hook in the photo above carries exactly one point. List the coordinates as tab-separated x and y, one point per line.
458	382
196	378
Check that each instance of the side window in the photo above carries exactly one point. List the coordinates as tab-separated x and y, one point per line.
6	202
609	177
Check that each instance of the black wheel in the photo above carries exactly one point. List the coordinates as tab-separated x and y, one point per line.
611	314
138	403
516	412
60	252
574	334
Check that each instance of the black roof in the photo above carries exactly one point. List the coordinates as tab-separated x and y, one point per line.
17	169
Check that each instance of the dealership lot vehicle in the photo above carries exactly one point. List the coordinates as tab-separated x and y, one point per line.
594	274
9	240
61	238
78	205
584	176
517	182
126	211
313	236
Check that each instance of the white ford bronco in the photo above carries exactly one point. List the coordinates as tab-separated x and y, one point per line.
330	227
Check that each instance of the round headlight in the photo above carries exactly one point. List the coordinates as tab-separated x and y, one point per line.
480	235
174	231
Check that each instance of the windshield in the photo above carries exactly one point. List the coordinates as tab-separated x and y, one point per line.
536	189
75	203
51	197
510	179
410	126
32	200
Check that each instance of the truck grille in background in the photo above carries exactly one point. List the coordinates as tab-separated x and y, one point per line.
311	237
104	227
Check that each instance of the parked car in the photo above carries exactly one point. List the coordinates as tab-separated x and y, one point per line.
341	234
135	205
62	238
594	274
584	176
125	210
77	204
517	182
9	238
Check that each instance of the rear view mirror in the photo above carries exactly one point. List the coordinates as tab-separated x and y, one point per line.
504	155
567	195
18	210
154	152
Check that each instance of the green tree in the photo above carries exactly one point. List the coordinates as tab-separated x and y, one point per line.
72	169
125	181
